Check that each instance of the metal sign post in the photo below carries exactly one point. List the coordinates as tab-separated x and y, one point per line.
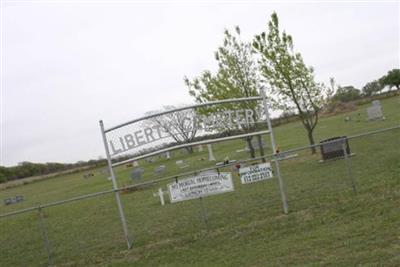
278	172
115	187
45	236
349	169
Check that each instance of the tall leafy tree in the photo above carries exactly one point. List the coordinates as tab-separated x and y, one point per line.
392	79
291	82
347	93
237	76
372	88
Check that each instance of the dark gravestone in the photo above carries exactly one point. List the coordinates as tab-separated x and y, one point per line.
333	147
13	200
136	174
8	201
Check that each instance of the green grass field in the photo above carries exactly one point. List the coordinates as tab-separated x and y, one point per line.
327	224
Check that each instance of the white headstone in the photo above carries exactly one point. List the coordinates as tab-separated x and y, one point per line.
374	112
210	153
167	155
376	103
200	148
135	163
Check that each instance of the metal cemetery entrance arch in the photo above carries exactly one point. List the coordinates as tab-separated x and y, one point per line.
121	140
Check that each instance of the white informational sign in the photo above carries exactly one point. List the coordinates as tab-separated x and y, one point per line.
200	186
255	173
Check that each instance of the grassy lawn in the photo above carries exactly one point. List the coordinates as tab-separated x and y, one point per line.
327	224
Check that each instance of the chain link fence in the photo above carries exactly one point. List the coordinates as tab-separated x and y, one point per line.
86	230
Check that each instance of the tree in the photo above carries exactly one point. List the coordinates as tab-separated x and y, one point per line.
179	125
347	94
291	82
372	88
4	173
392	79
237	77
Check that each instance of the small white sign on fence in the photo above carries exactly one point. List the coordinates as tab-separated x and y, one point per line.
256	173
200	186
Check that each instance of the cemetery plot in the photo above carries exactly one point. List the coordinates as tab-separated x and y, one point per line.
255	173
200	186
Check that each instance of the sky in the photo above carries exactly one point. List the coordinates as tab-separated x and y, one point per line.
66	65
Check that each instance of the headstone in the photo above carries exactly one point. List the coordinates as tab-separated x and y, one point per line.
181	164
200	148
167	155
8	201
331	149
210	153
87	175
137	174
376	103
159	169
135	163
13	200
375	112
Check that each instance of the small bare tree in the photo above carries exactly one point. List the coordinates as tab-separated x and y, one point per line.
179	125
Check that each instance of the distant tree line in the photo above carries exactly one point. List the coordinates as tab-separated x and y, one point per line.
350	93
28	169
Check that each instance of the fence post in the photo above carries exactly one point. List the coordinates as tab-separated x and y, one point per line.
348	163
278	171
115	187
203	212
43	229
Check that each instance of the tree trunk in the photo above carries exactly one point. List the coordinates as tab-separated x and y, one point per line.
189	149
260	145
251	148
312	142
